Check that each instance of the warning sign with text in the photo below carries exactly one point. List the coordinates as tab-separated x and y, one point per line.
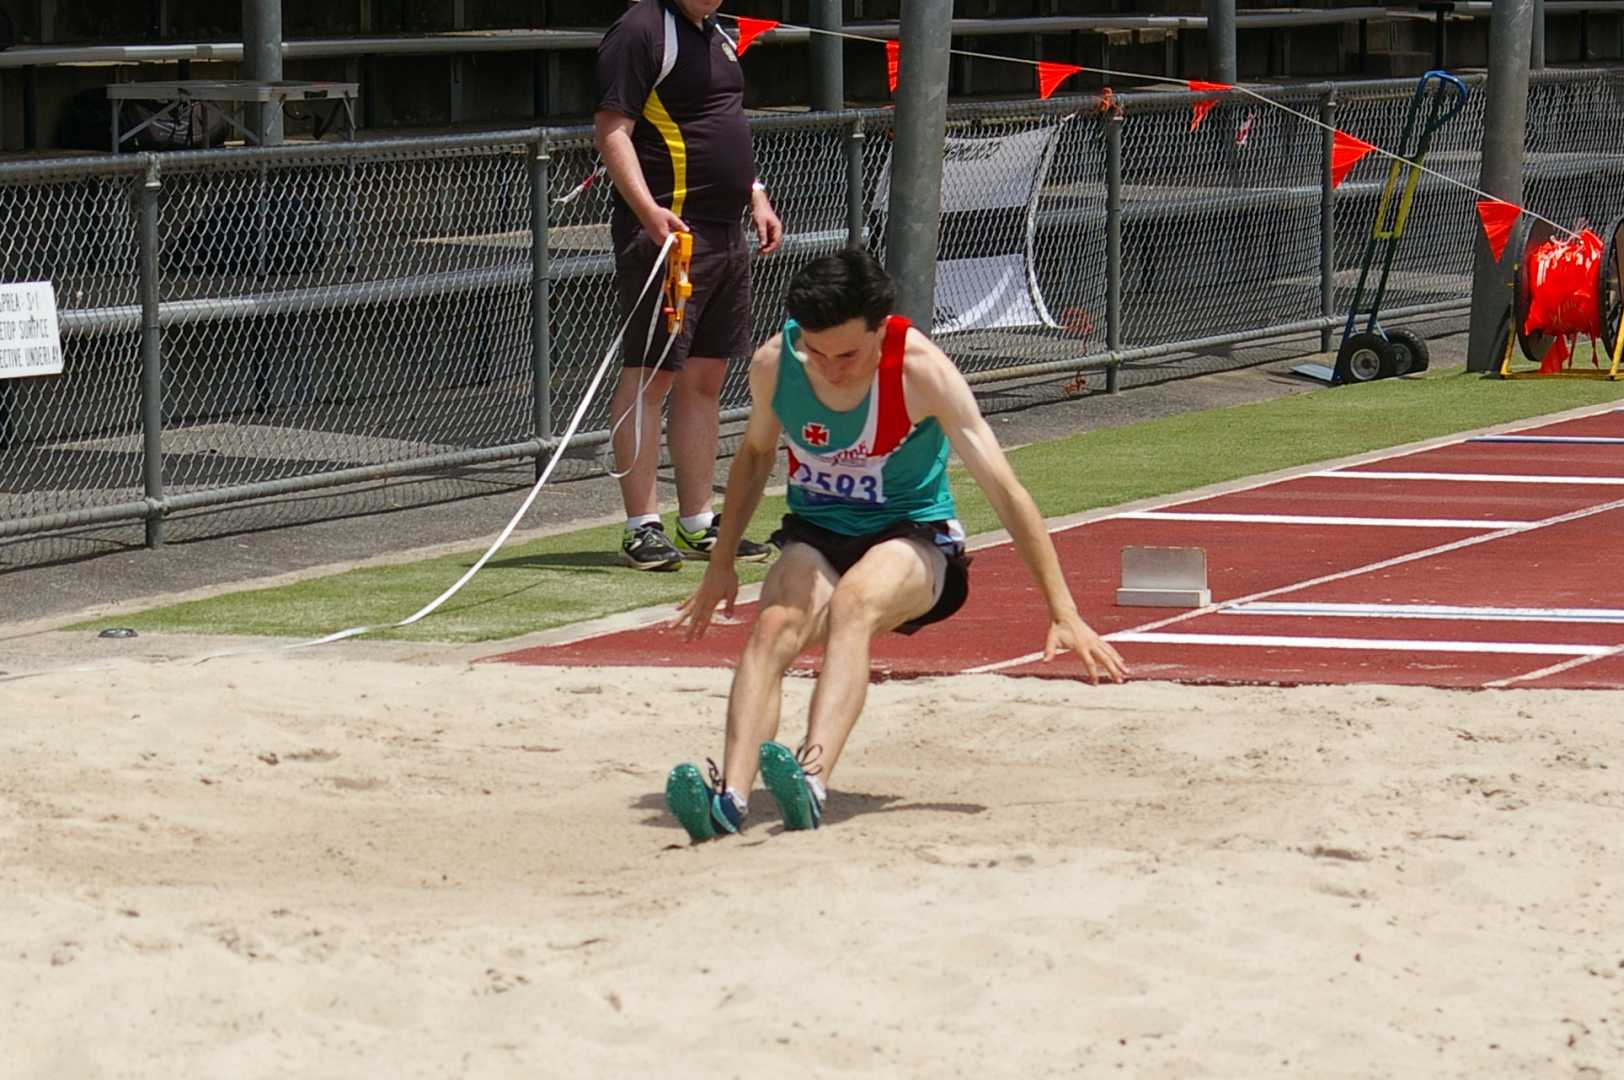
29	342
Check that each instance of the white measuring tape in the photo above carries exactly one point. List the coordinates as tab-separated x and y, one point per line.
535	489
428	609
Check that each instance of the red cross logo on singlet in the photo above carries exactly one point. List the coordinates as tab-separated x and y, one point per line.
815	435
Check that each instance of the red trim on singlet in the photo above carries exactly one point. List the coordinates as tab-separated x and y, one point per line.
892	425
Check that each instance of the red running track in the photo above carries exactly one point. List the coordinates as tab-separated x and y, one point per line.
1478	563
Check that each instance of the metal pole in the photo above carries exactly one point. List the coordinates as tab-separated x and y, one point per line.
856	203
262	62
1327	115
915	211
1221	65
1536	53
1113	247
540	297
1505	120
31	108
152	375
828	61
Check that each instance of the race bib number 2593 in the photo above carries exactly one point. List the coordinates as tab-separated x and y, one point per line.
848	481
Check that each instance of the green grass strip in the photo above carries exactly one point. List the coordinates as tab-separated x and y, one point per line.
574	576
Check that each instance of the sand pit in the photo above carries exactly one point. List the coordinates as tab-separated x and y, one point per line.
331	866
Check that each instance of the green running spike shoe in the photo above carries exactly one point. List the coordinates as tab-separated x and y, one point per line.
785	775
706	810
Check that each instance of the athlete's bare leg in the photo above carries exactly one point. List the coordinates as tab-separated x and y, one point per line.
892	583
792	616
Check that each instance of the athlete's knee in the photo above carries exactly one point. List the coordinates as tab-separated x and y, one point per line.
855	606
779	634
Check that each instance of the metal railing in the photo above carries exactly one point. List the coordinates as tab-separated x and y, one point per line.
548	40
240	325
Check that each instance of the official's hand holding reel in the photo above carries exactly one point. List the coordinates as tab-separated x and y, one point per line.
679	286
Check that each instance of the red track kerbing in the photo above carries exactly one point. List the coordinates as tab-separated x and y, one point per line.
1478	563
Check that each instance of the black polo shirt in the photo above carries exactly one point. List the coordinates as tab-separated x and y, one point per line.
691	136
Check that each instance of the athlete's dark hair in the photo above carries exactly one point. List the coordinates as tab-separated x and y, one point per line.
850	284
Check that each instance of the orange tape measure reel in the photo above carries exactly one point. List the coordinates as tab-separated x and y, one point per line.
679	286
1566	288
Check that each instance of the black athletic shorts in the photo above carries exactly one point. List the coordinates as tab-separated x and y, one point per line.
717	323
843	551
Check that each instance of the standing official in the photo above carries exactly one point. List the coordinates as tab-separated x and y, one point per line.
671	130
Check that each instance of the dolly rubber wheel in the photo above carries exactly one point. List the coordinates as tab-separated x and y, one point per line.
1410	352
1611	287
1365	358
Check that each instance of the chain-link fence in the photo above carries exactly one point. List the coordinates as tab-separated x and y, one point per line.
242	325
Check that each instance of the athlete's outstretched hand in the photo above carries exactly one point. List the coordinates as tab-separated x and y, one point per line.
720	585
1071	632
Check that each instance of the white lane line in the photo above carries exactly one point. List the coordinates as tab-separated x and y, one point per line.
1431	611
1603	440
1473	478
1368	568
1310	519
1268	641
1554	669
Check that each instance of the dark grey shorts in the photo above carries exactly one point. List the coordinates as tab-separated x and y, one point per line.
843	551
717	324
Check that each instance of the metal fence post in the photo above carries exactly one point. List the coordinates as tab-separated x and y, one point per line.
1505	131
152	375
828	60
540	296
914	213
856	204
1327	115
1113	248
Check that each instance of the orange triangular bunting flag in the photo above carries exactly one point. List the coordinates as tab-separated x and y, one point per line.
1346	152
750	29
893	61
1051	75
1498	218
1202	108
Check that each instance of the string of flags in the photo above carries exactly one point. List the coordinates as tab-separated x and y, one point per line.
1497	215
